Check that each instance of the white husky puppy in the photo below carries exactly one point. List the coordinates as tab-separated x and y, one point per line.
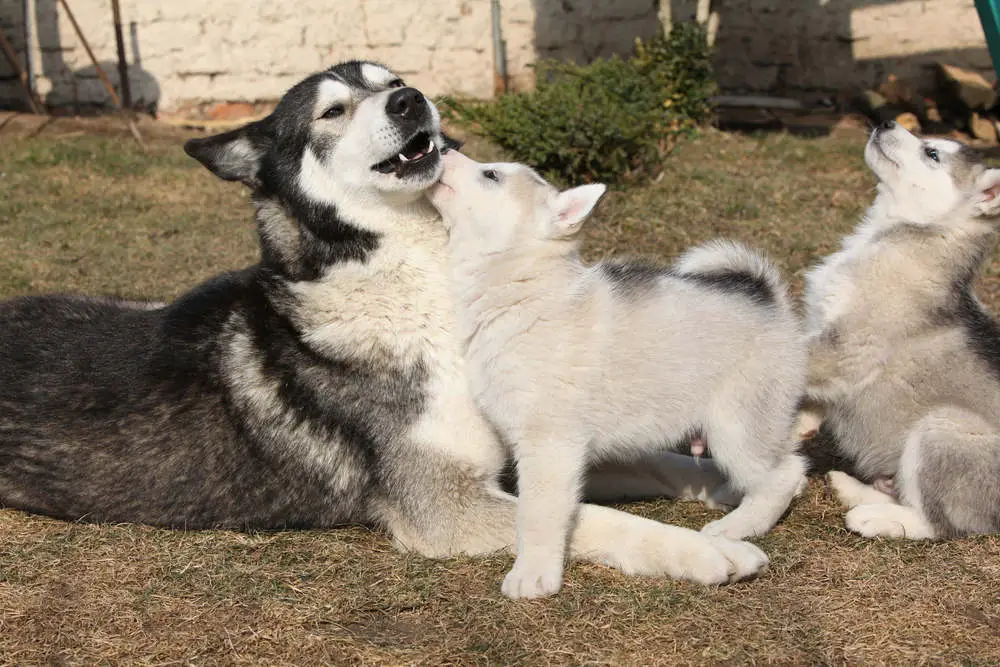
904	361
574	363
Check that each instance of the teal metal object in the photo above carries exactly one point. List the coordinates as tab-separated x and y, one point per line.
989	16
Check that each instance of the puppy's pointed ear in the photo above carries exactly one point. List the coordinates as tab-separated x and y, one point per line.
232	156
571	208
988	193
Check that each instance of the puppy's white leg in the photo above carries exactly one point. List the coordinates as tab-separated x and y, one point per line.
664	475
484	520
889	520
852	492
765	502
549	476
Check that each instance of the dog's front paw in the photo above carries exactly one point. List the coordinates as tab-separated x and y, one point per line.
852	492
872	521
532	580
717	560
889	520
746	559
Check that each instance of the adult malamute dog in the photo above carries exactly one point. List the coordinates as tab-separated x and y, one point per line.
904	361
324	385
575	363
281	395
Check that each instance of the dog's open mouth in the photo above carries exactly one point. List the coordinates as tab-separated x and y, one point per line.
418	153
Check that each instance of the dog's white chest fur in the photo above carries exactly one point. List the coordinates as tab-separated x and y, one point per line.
399	306
396	302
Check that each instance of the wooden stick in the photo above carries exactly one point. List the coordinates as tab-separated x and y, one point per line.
22	76
93	59
122	63
133	128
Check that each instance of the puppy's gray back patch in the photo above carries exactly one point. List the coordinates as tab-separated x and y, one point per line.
636	278
633	278
740	283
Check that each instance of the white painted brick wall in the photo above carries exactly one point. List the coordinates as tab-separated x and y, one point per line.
253	50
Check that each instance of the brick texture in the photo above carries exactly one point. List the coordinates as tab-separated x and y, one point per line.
184	52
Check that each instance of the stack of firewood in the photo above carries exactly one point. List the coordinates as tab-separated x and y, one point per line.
961	100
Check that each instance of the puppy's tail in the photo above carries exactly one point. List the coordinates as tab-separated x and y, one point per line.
733	267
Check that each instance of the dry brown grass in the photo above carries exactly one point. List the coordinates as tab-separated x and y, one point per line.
94	214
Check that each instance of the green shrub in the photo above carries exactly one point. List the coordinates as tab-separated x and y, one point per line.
612	120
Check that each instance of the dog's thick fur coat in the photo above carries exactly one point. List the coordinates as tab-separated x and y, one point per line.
904	361
575	363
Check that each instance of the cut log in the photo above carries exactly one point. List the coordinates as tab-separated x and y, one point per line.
908	121
969	88
895	91
982	127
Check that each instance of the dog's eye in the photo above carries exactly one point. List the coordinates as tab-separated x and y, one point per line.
932	154
396	83
334	111
491	175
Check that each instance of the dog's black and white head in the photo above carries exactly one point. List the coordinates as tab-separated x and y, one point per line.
927	181
343	152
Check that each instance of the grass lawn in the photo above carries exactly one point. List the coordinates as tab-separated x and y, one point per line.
92	213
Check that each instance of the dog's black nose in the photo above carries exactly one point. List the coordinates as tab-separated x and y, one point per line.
887	125
406	103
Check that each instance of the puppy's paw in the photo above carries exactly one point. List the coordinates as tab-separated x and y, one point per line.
712	560
852	492
747	559
533	579
874	521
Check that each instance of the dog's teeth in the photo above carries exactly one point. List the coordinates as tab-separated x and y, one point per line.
403	158
430	146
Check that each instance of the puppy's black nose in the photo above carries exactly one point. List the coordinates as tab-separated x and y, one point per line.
887	125
406	103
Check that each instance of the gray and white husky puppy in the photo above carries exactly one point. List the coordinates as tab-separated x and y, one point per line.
324	385
574	363
904	360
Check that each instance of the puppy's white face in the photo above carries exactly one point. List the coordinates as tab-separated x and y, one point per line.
931	180
495	208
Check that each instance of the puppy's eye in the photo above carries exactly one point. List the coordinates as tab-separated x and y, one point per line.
396	83
932	154
334	111
491	175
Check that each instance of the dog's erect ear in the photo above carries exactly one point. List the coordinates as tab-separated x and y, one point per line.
988	193
571	208
232	156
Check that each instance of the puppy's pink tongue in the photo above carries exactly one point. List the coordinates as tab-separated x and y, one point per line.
698	447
